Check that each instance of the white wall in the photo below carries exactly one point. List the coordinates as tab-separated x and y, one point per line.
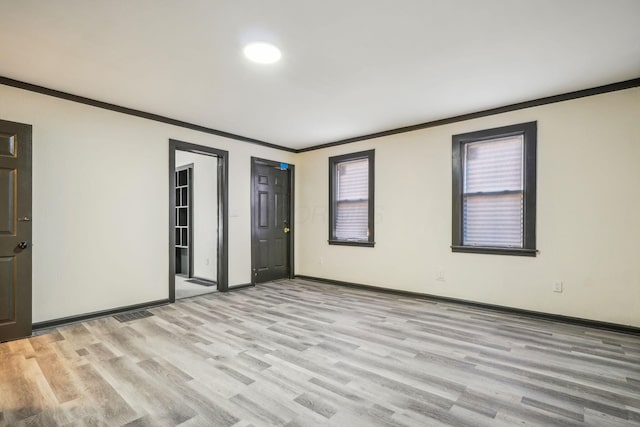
205	212
100	215
101	203
588	214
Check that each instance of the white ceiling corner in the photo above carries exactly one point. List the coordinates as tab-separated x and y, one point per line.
349	68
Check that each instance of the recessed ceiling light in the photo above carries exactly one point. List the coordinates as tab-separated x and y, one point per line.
262	53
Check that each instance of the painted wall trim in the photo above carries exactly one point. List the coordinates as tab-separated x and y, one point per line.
615	327
96	314
137	113
627	84
241	286
612	87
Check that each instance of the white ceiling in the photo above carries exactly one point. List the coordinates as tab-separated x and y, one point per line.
349	67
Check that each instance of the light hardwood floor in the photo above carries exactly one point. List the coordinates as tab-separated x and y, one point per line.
185	289
301	353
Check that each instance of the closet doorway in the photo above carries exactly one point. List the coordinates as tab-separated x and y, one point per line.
198	234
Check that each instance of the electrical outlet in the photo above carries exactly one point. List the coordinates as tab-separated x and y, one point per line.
440	276
557	287
321	260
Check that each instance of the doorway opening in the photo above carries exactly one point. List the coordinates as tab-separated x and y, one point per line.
272	231
198	225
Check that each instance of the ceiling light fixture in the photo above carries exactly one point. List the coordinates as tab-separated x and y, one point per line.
262	53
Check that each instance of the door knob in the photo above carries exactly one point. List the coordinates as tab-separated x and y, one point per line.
286	229
23	245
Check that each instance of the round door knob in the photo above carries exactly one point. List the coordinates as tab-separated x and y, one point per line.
23	245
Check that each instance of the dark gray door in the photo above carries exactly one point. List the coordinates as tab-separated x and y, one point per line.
15	230
270	221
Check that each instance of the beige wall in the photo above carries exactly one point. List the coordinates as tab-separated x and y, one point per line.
100	204
588	215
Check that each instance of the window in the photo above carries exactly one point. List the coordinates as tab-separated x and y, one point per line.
494	191
351	182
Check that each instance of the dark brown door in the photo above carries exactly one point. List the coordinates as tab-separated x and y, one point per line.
15	230
271	226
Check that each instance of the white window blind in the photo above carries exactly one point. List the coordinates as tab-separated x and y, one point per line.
493	193
352	200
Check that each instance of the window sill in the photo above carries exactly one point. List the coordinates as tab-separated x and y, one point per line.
352	243
494	250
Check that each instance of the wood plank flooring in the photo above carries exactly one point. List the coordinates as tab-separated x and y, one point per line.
300	353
